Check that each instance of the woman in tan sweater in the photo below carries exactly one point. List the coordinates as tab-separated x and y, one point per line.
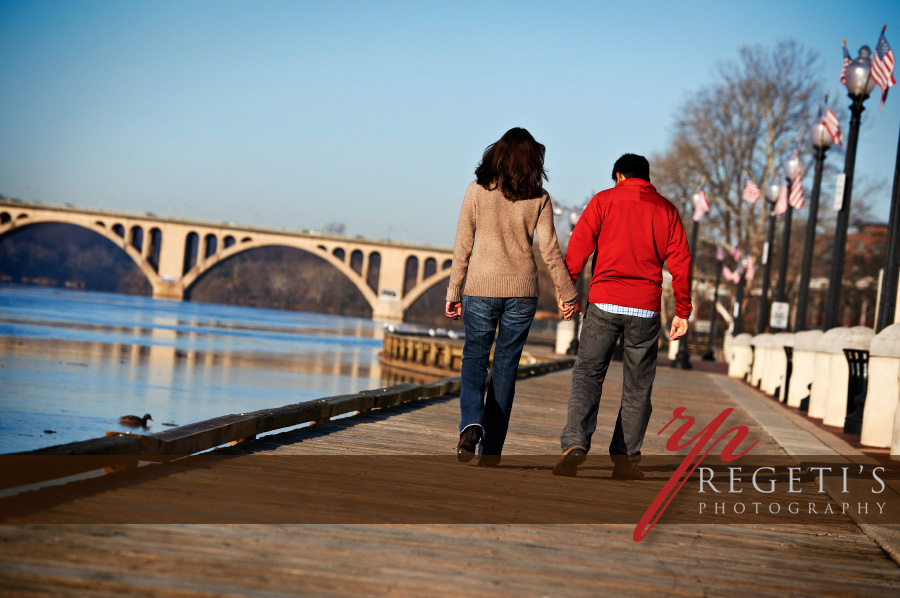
501	211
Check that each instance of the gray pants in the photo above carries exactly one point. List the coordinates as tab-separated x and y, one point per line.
599	334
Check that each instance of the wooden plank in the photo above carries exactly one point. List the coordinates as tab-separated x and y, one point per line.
291	415
116	444
349	403
200	436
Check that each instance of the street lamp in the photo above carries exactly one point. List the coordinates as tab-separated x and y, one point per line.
791	167
773	188
683	358
573	215
821	141
738	301
710	354
889	280
859	84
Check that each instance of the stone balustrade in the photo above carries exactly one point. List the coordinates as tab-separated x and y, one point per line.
760	358
881	418
857	337
803	366
822	367
739	355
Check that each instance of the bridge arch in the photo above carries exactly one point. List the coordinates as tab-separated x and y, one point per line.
202	268
421	288
106	233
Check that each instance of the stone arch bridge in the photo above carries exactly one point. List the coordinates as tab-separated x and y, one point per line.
174	254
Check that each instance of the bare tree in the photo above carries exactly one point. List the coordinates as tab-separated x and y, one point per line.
745	124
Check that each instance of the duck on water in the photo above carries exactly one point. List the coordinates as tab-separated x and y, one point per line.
135	421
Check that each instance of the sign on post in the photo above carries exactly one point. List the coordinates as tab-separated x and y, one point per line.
839	192
780	312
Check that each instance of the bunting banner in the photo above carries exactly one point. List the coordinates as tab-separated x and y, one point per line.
796	199
751	191
781	205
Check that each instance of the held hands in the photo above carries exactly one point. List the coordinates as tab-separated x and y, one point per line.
679	328
453	310
568	311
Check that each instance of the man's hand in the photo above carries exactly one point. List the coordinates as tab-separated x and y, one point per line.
568	311
453	310
679	328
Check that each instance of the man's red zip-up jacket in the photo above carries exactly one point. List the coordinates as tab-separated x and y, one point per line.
634	231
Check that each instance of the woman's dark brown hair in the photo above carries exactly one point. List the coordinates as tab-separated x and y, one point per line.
515	164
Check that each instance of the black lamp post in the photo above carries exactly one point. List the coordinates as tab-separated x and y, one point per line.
573	215
772	191
682	359
859	84
710	354
887	304
738	301
821	141
791	166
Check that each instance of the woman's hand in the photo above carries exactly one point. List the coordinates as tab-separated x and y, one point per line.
568	311
453	310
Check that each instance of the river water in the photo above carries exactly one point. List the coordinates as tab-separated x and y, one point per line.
73	362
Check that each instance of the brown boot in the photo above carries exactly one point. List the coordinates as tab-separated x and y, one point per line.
569	461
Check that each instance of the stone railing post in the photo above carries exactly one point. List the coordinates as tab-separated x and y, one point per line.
857	337
879	424
804	366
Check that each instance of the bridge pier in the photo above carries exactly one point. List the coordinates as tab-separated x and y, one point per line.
170	290
389	311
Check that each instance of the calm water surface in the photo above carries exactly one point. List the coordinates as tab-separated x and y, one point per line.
73	362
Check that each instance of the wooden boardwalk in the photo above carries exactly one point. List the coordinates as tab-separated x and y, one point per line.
59	550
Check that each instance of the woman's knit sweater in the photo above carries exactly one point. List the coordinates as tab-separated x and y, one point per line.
501	264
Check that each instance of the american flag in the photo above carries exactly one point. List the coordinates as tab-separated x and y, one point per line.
732	275
701	205
830	121
720	253
750	269
781	205
736	254
846	62
883	67
796	198
751	191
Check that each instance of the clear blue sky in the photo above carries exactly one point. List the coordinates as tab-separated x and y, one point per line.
374	114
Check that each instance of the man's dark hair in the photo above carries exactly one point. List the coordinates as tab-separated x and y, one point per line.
632	166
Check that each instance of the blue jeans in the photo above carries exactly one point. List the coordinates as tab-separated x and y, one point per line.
488	403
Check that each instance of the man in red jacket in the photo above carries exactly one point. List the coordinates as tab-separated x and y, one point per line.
633	231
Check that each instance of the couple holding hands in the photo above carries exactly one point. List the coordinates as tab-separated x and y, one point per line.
632	231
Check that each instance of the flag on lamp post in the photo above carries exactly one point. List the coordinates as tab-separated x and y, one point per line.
750	268
883	66
720	253
846	62
751	191
781	205
736	254
701	205
796	198
831	124
732	275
